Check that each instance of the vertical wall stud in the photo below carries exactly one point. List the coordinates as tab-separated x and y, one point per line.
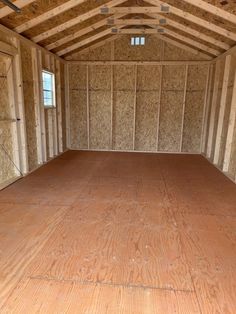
37	104
183	110
67	105
135	104
231	127
222	109
59	108
112	101
159	108
206	107
88	111
213	109
54	112
42	109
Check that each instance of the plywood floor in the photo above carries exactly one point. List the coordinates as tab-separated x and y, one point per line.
95	232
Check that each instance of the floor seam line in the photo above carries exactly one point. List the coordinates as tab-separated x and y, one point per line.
85	282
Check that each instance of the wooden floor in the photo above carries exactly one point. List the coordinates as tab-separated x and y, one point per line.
95	232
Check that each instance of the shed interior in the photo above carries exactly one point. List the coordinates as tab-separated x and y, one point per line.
118	156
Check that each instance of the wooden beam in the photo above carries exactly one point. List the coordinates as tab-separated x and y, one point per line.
42	108
206	107
222	110
59	106
20	4
8	49
37	104
98	44
159	108
67	105
135	10
192	42
87	105
183	109
48	15
231	128
75	35
150	63
117	21
184	47
74	21
135	104
213	10
193	32
213	110
133	31
194	19
84	42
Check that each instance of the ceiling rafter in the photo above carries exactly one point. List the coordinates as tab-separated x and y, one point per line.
213	9
74	21
85	41
78	34
197	20
141	21
97	44
193	32
20	4
136	10
48	15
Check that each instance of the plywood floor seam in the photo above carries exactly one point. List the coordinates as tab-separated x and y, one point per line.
103	232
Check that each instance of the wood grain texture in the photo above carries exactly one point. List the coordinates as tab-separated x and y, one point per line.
103	232
42	296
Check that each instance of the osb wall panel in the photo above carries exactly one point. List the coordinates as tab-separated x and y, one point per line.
124	77
170	121
172	97
78	118
100	119
124	51
5	108
123	120
194	106
6	167
29	105
148	78
100	77
147	107
146	120
155	49
78	106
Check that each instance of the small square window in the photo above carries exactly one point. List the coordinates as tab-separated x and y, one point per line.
49	99
138	41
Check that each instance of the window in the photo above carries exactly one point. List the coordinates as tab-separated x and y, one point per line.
138	41
48	89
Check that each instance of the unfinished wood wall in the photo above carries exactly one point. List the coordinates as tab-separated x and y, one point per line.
137	107
220	141
42	131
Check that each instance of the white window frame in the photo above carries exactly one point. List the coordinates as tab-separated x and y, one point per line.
138	41
53	91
